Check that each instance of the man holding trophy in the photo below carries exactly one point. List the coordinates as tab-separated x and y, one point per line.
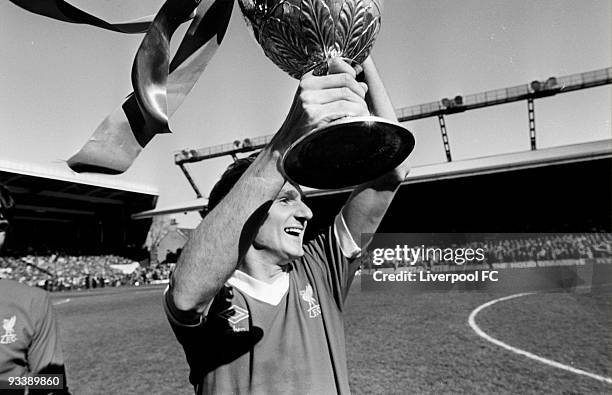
255	310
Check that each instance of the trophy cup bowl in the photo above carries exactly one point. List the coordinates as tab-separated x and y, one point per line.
303	35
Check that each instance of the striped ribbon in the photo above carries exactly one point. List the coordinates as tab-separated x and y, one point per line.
160	85
62	11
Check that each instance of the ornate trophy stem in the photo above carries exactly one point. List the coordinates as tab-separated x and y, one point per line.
302	35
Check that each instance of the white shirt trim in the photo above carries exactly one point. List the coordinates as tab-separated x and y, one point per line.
268	293
349	248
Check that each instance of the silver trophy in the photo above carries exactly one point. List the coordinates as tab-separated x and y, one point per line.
303	35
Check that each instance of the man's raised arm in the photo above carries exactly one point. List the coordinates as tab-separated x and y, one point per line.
222	238
220	241
368	203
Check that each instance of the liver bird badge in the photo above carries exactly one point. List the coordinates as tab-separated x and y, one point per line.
9	332
314	309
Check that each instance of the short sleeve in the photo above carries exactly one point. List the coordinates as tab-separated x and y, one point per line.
335	253
45	350
349	247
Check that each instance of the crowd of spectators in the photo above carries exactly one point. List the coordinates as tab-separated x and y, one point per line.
549	247
57	272
67	272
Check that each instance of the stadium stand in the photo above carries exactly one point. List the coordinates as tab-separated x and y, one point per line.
59	272
58	210
565	189
72	233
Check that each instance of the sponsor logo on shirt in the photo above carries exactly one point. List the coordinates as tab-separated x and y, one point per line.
314	309
235	314
9	330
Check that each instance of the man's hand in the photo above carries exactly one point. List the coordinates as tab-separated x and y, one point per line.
320	100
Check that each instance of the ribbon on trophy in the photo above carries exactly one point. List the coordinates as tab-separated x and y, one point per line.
66	12
160	85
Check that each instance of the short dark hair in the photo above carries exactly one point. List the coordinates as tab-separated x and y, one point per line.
228	179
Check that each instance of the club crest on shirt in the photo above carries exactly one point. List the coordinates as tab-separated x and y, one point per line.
233	315
314	309
9	331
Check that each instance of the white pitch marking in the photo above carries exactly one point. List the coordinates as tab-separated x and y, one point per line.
61	302
481	333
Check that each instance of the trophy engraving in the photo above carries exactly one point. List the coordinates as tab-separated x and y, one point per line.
298	35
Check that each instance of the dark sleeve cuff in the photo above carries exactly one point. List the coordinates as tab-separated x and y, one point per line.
179	317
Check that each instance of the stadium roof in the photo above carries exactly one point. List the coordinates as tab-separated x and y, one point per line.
504	162
46	193
63	173
460	168
194	205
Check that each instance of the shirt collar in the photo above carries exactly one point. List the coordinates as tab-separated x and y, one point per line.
268	293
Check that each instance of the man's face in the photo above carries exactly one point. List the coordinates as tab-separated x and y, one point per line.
282	231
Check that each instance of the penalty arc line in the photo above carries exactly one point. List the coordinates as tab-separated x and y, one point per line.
481	333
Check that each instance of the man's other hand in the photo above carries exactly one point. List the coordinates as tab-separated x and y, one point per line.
320	100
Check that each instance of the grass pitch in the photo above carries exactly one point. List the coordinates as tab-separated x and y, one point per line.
117	341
